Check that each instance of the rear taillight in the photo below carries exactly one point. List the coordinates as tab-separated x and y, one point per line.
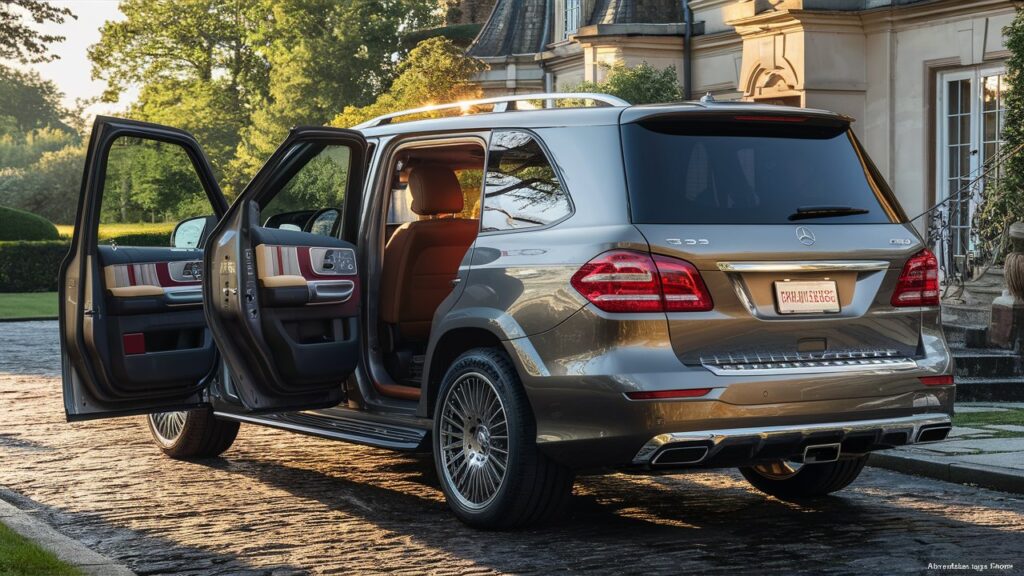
628	281
918	284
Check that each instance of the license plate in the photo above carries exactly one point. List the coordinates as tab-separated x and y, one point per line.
806	297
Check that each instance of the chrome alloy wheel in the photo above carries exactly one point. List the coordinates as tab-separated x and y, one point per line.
778	470
474	440
167	426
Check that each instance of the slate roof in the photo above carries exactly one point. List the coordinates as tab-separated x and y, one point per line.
515	27
636	12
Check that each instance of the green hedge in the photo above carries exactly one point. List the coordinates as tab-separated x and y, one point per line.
20	225
31	266
138	239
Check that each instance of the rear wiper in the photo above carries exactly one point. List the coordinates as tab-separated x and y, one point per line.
809	212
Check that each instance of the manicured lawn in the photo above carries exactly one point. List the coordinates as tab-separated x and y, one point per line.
28	305
108	230
19	557
982	418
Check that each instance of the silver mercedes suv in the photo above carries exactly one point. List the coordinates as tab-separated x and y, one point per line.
527	291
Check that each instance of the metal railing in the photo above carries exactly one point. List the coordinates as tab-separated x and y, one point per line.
498	104
952	228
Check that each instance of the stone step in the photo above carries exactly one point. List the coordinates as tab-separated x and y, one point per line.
988	363
1006	389
959	336
966	314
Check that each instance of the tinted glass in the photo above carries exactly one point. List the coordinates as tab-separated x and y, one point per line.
736	173
320	183
522	188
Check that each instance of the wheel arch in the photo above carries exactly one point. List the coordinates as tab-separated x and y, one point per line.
444	350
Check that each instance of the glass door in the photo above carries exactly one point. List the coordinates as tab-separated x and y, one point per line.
971	109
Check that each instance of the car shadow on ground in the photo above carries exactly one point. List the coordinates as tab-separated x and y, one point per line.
700	523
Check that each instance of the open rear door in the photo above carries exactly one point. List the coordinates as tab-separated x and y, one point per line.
133	333
282	297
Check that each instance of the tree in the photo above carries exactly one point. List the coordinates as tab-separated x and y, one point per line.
49	186
195	62
1003	201
28	102
21	42
435	71
642	84
323	55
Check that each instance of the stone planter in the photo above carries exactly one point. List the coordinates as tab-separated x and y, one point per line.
1007	327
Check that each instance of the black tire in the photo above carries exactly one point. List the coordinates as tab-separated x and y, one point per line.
202	436
809	481
533	488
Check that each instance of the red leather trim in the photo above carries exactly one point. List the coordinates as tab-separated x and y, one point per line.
131	274
134	343
163	274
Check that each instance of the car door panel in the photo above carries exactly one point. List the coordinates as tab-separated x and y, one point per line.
284	304
133	332
310	315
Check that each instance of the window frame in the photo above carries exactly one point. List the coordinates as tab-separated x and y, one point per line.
976	142
570	8
554	167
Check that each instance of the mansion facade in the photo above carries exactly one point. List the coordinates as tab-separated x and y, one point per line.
924	79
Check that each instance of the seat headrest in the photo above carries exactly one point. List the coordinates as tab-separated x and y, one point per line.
435	190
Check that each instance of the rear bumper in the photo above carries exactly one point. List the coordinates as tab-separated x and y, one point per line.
712	448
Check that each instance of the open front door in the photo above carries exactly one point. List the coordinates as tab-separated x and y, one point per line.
282	290
133	335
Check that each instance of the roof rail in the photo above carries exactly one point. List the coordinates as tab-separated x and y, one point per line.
501	104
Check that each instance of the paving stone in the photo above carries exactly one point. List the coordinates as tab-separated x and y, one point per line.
281	503
976	445
960	431
1006	427
1007	460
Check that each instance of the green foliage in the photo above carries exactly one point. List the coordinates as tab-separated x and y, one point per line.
150	180
1003	203
19	150
28	102
323	55
435	71
49	186
20	41
31	266
197	64
21	225
642	84
134	234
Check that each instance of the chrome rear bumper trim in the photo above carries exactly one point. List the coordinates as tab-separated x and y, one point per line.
912	425
807	266
782	367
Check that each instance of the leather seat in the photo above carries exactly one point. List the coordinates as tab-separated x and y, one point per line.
422	258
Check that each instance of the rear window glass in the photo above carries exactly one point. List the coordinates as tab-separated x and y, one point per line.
701	172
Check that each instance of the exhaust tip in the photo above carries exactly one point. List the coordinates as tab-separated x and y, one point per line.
933	433
819	453
678	455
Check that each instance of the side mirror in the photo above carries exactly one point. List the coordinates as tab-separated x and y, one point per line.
192	233
323	222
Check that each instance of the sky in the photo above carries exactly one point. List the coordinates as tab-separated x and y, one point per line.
72	72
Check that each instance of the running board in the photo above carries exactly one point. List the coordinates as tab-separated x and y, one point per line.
358	430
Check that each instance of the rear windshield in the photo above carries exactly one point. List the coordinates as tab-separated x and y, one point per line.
750	172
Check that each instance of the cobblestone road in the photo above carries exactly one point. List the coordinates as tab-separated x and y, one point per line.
280	503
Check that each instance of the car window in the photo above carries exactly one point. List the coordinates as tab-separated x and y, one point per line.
522	187
303	203
742	173
150	188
